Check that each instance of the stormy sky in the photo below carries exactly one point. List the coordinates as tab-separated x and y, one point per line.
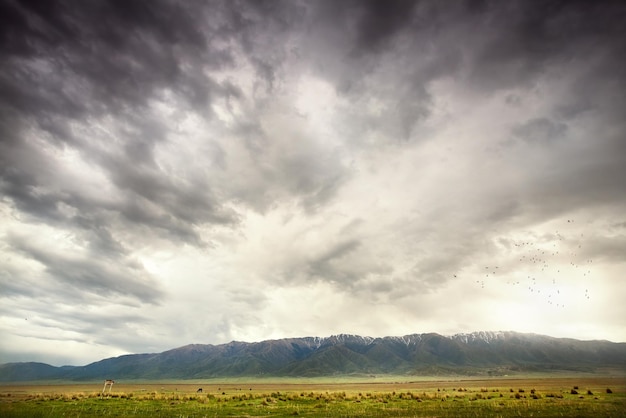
177	172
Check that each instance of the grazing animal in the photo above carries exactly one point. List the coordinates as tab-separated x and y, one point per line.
108	382
199	390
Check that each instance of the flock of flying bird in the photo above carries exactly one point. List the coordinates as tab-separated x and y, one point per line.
540	267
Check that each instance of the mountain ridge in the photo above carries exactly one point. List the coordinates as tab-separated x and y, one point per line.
479	352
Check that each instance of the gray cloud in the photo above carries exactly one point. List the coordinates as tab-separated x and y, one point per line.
377	24
221	157
540	130
90	60
80	275
323	265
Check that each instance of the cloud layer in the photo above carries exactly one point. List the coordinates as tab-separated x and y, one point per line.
176	172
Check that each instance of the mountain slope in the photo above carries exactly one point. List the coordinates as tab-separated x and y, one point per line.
343	354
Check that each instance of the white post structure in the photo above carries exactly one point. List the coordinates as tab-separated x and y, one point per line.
108	382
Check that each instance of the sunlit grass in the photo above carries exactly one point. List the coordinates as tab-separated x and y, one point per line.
443	399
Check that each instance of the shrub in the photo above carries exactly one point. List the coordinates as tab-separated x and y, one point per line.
589	392
608	390
574	391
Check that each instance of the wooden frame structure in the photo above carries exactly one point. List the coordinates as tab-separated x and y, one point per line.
109	383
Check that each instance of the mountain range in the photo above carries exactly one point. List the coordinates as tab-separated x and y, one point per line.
492	353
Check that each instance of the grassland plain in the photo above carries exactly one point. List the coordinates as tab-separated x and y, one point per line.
512	397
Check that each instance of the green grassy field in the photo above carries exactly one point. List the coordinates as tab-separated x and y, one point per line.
545	397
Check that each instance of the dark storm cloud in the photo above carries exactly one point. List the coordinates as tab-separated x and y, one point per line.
498	45
377	22
520	39
74	59
112	53
65	62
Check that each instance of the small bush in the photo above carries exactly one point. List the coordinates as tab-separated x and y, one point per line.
589	392
574	391
608	390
